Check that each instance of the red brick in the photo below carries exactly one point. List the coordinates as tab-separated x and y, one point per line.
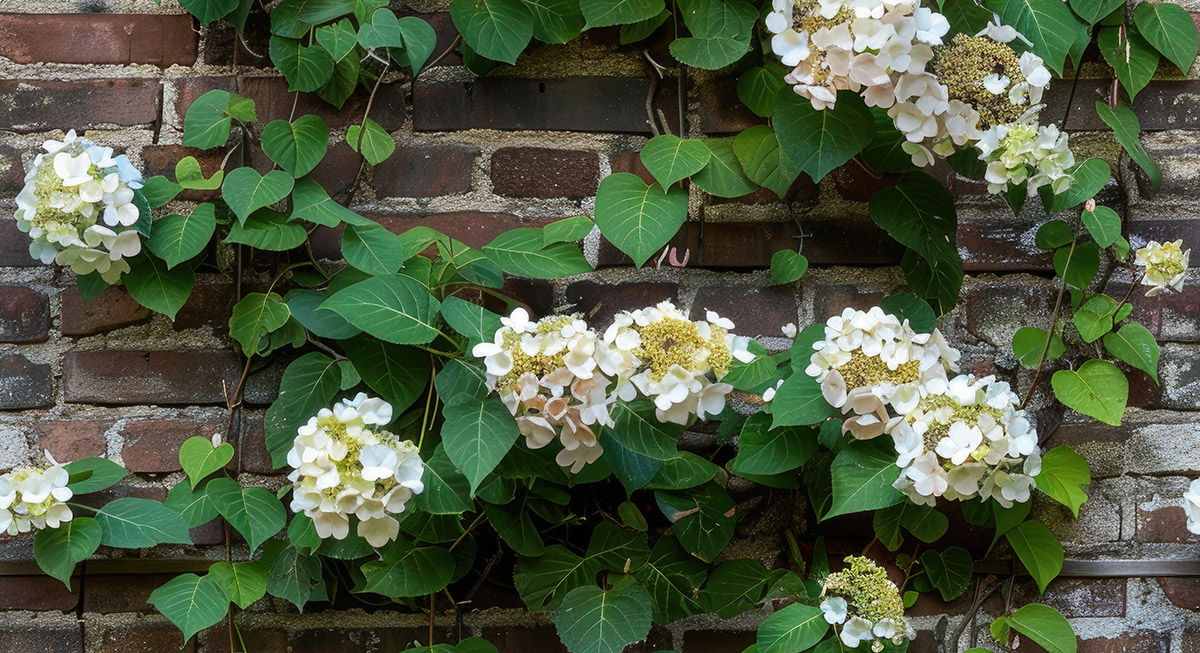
1142	230
543	639
755	310
38	105
73	439
24	384
1001	245
14	247
446	32
209	305
24	315
119	378
223	46
337	171
161	160
536	294
112	309
258	640
591	104
631	161
12	171
36	638
1182	591
122	490
717	641
600	302
545	172
474	228
162	40
141	636
1163	525
254	455
1143	642
1076	597
41	593
272	101
1161	105
721	112
109	593
829	300
426	171
152	445
857	185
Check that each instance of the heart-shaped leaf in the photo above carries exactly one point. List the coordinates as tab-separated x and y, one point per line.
419	41
787	266
1103	224
189	175
1090	177
296	146
670	158
338	39
382	32
1170	29
178	238
815	141
1097	389
496	29
1135	345
199	457
246	191
1133	60
637	218
306	67
373	142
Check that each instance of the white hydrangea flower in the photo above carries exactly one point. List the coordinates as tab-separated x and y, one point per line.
344	464
1166	265
72	187
1191	505
1025	152
35	497
866	604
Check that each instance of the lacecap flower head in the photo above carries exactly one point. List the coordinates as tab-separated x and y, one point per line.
865	604
1165	265
34	497
344	464
78	205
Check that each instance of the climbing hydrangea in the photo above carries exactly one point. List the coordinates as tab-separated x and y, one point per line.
80	207
865	603
1166	265
34	497
344	464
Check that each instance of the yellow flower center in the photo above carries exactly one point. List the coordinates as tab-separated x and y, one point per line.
671	341
863	371
866	587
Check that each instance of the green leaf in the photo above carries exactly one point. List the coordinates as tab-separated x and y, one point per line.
797	627
294	577
514	524
633	470
306	67
191	602
1128	132
919	213
1063	474
555	21
672	578
634	32
253	318
1092	11
193	505
604	13
965	17
757	149
636	218
338	39
523	251
208	11
159	191
471	320
206	123
253	511
311	203
799	402
567	230
1077	268
949	571
927	524
1028	343
1038	550
720	32
1097	389
543	582
1103	224
246	191
269	230
670	158
58	550
735	586
1089	178
1054	234
447	491
759	87
395	309
374	143
1045	627
1170	29
496	29
1095	317
592	620
1135	345
1048	24
908	306
763	450
323	324
178	238
476	437
419	41
639	430
382	32
131	523
815	141
92	474
315	12
373	249
296	146
309	384
405	570
189	175
723	176
242	583
199	457
397	373
1133	60
154	285
703	520
863	473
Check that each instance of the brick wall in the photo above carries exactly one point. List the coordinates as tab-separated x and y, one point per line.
522	147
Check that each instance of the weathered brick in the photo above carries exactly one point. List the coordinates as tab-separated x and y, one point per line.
1179	370
717	641
373	640
721	112
162	40
831	299
994	313
223	46
446	32
545	172
1077	597
24	384
1163	525
209	305
152	445
756	311
109	593
141	636
337	171
426	171
591	104
112	309
999	244
254	456
41	593
1182	591
258	640
542	639
600	302
1141	642
24	315
1162	105
14	246
31	637
536	294
12	171
272	101
37	105
68	439
630	161
149	377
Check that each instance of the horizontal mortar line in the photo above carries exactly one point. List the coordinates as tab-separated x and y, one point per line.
1107	568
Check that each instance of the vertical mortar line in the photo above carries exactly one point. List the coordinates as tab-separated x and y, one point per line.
158	121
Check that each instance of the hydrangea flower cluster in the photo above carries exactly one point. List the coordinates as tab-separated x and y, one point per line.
78	206
972	91
957	437
34	497
866	604
1166	265
345	464
560	378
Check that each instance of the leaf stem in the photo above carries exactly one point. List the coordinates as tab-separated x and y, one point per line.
1050	331
426	421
